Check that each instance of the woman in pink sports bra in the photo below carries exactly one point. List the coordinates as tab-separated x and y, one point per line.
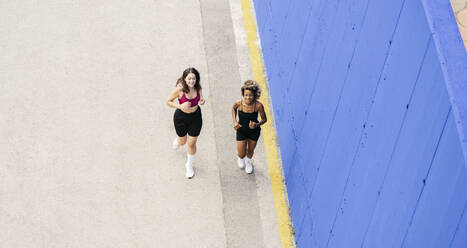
187	117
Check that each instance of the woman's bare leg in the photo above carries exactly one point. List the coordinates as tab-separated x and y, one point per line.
190	156
251	148
191	144
241	148
182	140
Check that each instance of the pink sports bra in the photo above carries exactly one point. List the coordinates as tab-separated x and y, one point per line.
193	101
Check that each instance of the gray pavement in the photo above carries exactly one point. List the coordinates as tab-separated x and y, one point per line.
85	134
460	11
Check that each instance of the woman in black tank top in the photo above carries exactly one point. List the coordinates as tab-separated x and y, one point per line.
247	126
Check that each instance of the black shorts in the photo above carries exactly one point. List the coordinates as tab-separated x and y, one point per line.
244	134
188	123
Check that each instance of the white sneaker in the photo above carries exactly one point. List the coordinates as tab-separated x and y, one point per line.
175	144
248	166
241	163
190	173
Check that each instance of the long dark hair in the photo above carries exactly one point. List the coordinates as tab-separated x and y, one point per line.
182	82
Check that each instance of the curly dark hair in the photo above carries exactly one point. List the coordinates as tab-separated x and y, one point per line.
252	86
182	82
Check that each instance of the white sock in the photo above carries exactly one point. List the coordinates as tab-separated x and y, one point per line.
189	158
241	162
175	144
189	166
248	165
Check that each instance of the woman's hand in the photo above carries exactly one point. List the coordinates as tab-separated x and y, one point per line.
237	125
202	101
253	125
185	106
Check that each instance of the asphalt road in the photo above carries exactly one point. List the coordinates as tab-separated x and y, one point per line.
85	132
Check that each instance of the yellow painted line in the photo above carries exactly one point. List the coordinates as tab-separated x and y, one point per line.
269	134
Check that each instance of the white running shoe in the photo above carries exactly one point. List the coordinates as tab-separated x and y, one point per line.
241	163
248	166
190	173
175	144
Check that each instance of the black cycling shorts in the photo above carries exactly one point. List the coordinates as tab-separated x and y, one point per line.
244	134
188	123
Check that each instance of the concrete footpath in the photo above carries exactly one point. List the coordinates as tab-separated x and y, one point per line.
85	133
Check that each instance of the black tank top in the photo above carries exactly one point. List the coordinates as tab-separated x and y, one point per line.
245	118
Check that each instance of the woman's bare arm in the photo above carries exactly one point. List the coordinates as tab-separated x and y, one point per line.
236	125
264	119
201	98
175	94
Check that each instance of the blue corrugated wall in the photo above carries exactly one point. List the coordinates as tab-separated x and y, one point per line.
368	139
